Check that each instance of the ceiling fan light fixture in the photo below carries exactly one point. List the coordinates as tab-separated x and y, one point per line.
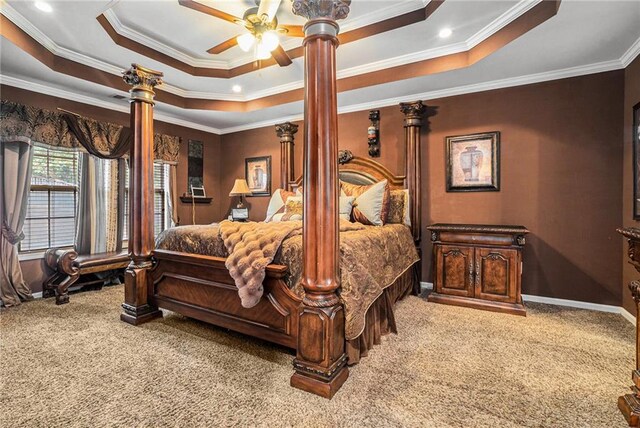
270	40
246	41
262	52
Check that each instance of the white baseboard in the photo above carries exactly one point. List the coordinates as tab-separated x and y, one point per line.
564	302
37	295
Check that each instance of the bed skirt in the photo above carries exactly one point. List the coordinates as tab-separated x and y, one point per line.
380	319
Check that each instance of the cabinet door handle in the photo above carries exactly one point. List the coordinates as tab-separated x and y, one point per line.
477	273
471	272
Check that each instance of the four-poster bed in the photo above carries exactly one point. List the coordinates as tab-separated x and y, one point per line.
200	286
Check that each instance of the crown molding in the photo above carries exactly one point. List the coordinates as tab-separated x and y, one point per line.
451	92
631	54
513	13
97	102
352	24
600	67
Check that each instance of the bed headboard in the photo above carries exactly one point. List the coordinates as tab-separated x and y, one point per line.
357	170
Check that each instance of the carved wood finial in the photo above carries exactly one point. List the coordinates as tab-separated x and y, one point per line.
344	156
413	112
286	129
328	9
143	81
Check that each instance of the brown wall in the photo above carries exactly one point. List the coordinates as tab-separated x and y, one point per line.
35	270
560	175
631	98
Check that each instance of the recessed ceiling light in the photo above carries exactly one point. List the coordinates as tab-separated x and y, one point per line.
45	7
445	32
236	88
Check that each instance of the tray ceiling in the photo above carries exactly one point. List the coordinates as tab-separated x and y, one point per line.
583	37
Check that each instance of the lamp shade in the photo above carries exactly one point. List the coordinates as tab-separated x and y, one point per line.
240	188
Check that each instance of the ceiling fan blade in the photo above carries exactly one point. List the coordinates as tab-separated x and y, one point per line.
268	8
292	30
281	56
210	11
227	44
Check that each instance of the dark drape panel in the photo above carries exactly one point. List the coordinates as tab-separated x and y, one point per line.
95	136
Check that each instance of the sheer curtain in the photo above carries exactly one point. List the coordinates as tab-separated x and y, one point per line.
97	228
15	171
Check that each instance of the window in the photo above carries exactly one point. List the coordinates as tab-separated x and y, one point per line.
51	208
160	209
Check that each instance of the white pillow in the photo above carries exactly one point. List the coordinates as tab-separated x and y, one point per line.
276	204
370	204
346	206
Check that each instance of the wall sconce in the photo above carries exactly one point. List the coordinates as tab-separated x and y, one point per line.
373	133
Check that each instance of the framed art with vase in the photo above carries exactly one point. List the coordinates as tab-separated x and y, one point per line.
636	161
257	172
473	162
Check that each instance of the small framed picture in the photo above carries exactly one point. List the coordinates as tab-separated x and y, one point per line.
240	214
473	162
636	161
257	172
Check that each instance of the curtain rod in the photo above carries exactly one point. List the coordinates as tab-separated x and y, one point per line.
67	111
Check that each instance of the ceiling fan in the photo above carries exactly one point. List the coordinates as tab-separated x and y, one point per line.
262	26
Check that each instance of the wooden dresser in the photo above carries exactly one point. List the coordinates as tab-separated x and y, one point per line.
478	266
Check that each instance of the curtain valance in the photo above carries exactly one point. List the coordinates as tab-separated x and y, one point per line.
60	129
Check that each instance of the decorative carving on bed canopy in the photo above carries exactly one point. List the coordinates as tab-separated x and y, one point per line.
413	112
344	156
314	9
286	131
142	79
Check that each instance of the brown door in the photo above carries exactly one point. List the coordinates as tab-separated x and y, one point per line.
454	271
496	274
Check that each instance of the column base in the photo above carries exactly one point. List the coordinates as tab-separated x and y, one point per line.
323	388
138	315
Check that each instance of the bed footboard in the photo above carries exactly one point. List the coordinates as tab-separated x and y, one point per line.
200	287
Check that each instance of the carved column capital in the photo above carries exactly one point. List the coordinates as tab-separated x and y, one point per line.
326	9
413	113
285	131
143	80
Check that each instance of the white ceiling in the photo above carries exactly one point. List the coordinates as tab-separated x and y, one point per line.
584	37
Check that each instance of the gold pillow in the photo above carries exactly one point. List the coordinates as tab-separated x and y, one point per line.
371	205
293	205
399	207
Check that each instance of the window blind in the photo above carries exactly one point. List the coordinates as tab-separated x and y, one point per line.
53	198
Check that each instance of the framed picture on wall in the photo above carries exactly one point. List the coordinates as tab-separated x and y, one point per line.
636	162
257	172
473	162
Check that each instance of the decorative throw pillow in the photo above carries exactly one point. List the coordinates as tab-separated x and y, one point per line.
293	205
399	207
346	207
276	204
371	205
285	217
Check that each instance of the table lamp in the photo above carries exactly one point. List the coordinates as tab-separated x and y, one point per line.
240	188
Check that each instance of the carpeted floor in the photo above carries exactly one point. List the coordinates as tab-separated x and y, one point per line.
78	365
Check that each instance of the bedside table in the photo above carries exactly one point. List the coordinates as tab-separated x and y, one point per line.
478	266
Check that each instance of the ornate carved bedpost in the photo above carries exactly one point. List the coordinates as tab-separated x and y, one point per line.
629	404
413	113
136	308
285	132
320	363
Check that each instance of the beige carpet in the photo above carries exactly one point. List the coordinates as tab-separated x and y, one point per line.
78	365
